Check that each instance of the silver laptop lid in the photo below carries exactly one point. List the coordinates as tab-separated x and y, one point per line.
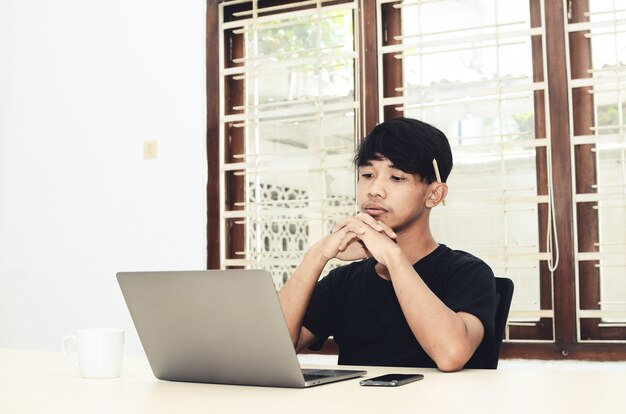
215	326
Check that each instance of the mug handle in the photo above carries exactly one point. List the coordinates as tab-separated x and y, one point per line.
64	347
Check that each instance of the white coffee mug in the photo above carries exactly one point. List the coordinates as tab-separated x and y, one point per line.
99	352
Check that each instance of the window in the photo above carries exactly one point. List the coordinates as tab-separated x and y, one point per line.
291	124
471	74
529	94
597	68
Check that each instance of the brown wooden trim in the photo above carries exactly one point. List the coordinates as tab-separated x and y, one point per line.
584	351
368	86
589	291
564	283
591	329
212	136
544	328
392	67
540	330
271	3
585	172
542	351
234	137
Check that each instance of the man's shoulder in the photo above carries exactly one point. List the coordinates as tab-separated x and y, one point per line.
453	262
458	256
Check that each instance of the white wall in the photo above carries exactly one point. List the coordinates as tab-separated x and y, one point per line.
83	83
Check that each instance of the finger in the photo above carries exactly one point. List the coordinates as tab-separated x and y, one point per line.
357	227
337	227
377	225
346	240
341	225
370	221
388	231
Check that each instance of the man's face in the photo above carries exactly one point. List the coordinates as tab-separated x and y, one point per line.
391	195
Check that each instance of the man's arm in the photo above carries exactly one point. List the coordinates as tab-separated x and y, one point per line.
296	293
449	338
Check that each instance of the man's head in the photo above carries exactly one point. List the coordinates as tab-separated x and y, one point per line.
410	145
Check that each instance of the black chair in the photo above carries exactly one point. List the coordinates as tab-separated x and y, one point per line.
504	296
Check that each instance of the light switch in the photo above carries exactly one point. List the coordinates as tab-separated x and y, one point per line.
150	149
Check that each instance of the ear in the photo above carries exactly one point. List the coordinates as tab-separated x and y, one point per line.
438	194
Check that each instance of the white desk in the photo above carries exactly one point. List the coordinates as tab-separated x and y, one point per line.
45	382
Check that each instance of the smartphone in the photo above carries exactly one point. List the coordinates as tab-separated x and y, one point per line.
392	380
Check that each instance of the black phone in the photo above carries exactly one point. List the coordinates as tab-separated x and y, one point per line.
392	380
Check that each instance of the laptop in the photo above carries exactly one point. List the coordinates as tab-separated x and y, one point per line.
217	326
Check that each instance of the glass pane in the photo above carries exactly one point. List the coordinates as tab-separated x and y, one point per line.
299	121
602	265
612	218
467	68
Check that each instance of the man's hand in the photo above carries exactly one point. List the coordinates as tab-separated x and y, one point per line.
357	238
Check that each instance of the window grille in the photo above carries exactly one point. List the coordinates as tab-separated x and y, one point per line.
291	111
289	127
467	68
598	82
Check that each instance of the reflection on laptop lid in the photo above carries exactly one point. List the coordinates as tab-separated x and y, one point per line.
216	326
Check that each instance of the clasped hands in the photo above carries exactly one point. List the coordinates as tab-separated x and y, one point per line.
359	237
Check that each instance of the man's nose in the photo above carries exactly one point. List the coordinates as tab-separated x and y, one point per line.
377	188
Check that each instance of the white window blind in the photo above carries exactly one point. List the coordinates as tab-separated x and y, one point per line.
295	125
467	68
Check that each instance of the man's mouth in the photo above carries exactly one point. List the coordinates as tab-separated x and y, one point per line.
373	209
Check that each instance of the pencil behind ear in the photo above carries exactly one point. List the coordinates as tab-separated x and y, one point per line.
436	168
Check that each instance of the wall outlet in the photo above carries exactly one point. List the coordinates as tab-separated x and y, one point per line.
150	149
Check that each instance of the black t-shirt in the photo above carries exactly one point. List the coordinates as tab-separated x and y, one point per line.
361	311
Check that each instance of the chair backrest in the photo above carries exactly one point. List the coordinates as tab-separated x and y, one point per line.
504	296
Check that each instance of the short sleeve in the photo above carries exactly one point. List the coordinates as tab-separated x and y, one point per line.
472	290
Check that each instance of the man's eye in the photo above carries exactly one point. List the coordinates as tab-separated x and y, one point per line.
366	175
396	178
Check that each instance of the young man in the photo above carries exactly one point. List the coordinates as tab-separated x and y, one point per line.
406	300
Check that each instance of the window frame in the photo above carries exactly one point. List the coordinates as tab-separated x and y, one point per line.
566	344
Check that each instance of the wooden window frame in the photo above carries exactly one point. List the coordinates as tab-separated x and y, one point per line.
565	345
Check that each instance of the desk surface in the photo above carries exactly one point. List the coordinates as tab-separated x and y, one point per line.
38	381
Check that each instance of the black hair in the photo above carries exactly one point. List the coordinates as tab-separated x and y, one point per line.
410	145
